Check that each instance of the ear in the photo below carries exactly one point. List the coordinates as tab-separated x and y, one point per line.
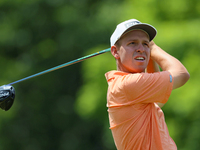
115	52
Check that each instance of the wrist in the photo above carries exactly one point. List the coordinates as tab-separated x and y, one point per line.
152	45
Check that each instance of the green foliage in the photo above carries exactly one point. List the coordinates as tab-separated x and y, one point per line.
66	109
92	93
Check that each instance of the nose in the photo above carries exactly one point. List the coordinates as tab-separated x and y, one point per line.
140	48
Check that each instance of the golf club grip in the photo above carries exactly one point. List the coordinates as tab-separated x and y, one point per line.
62	65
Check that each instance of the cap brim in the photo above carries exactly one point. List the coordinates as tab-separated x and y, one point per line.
146	27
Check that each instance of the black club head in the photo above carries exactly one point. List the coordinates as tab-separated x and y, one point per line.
7	96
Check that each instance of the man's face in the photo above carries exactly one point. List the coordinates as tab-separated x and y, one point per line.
133	52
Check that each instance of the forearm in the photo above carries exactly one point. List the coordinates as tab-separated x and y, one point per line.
152	66
164	60
171	64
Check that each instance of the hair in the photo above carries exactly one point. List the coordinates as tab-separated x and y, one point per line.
118	43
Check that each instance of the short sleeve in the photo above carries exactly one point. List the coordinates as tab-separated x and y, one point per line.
148	87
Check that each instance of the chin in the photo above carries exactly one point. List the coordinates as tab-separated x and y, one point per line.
137	71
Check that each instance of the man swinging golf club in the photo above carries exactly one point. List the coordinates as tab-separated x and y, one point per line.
135	97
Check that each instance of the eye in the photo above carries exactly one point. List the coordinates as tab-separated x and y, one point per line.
132	43
146	44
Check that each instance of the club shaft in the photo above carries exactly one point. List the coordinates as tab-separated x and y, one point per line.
62	65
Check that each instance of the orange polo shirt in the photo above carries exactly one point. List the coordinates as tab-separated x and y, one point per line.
136	121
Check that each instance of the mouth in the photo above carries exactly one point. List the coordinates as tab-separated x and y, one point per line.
140	58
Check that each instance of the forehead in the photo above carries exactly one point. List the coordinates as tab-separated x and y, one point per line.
135	35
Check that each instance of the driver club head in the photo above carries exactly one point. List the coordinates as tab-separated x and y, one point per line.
7	96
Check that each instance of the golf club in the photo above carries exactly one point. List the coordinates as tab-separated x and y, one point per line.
7	96
7	92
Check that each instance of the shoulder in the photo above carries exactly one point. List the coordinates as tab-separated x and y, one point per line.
115	74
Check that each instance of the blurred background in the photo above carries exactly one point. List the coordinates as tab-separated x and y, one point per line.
66	109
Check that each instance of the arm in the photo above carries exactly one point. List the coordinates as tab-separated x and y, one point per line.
151	68
171	64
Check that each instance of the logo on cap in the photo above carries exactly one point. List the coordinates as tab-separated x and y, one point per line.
130	24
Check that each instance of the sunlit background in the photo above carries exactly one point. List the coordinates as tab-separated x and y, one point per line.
66	109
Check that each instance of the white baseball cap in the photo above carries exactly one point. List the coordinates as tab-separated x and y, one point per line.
128	25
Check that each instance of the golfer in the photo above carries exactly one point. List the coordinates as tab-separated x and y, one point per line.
137	90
